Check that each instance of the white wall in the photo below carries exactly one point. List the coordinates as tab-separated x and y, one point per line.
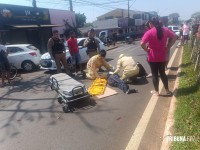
109	23
57	17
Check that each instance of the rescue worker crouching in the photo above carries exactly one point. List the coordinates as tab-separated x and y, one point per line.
95	63
130	68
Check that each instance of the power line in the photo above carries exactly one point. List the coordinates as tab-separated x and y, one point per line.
132	3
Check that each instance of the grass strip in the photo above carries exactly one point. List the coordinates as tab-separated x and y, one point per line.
187	114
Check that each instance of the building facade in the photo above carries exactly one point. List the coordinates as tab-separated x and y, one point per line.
117	20
21	24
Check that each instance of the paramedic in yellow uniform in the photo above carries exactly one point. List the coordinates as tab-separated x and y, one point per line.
95	63
130	68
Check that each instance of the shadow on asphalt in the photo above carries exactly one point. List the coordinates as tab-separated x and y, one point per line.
140	81
185	65
109	59
142	55
83	104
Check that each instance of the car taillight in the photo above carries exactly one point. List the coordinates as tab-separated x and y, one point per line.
33	54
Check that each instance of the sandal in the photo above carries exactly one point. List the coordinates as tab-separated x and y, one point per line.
169	93
155	93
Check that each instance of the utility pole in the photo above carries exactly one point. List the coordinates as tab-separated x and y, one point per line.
34	3
128	16
70	4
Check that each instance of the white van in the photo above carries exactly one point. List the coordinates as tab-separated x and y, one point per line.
175	29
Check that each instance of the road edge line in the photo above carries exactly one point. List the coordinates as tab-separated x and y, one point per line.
140	129
170	117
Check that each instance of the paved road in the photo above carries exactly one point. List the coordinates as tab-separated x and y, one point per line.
32	119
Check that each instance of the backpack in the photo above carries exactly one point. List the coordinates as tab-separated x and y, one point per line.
142	71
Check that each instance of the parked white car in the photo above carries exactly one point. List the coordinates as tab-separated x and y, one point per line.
23	56
175	29
47	63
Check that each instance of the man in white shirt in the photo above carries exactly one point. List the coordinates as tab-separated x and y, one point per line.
186	31
129	67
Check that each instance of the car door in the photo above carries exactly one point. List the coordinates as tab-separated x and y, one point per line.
15	56
82	51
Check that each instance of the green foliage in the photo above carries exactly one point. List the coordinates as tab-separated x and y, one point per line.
88	25
80	20
174	18
196	16
187	115
174	15
71	28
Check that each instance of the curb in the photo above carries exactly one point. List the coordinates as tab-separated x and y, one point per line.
112	48
170	117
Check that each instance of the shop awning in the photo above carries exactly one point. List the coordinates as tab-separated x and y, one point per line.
36	26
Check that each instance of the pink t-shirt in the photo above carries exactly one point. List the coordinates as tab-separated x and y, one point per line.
186	29
157	47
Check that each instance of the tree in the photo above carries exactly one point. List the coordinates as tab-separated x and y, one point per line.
88	24
196	16
80	20
173	18
71	28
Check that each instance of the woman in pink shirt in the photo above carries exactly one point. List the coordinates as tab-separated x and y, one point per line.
159	40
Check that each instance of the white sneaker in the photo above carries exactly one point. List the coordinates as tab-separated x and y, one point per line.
149	75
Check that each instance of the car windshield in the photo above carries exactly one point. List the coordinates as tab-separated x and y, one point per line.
175	28
80	42
32	47
170	28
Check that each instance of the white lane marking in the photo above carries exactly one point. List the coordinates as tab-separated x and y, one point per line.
142	125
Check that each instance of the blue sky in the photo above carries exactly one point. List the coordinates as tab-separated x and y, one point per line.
95	8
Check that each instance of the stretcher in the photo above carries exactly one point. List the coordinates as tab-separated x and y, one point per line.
69	90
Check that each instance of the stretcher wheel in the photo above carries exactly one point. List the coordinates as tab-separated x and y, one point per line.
68	108
60	101
65	109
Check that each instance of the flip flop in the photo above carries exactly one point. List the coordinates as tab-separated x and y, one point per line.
169	93
155	93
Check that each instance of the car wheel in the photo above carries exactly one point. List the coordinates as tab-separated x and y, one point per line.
28	66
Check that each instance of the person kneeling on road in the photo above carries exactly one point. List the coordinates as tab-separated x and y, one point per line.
130	68
95	63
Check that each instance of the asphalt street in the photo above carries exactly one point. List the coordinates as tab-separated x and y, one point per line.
32	119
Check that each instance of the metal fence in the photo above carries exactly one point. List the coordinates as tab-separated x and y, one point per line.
195	55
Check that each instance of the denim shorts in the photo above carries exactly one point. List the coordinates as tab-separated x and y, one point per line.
76	58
